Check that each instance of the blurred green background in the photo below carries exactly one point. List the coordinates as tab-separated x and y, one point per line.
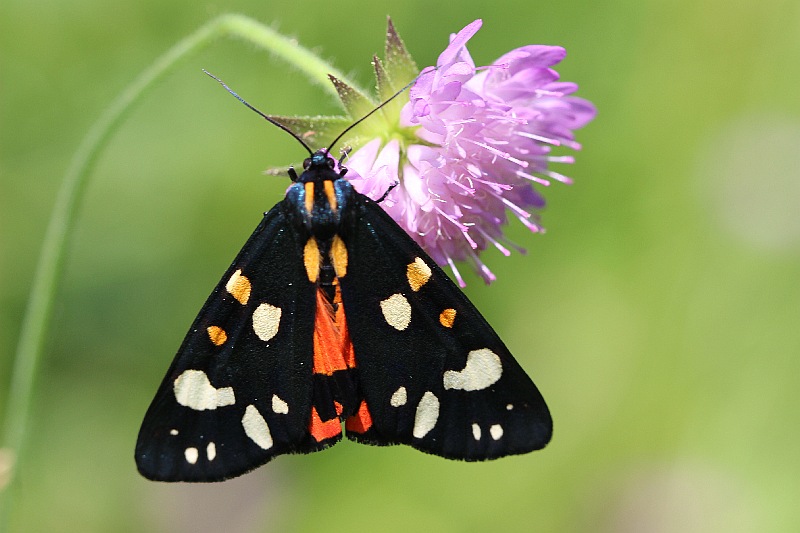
658	315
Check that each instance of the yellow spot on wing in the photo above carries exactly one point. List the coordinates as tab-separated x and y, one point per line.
239	287
309	196
418	274
217	335
339	256
447	317
330	194
312	259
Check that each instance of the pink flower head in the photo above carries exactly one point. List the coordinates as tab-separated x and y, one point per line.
485	138
480	139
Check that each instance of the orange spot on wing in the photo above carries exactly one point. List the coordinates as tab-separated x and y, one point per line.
418	274
447	317
217	335
339	256
312	259
323	430
239	287
333	349
361	421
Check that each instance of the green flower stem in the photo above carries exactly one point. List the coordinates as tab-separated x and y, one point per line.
62	220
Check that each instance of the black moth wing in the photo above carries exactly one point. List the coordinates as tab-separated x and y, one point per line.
239	390
413	363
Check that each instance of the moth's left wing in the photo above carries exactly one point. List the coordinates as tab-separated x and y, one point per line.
433	372
239	390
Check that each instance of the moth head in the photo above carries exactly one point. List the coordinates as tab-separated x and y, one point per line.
319	159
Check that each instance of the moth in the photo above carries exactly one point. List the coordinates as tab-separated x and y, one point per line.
333	315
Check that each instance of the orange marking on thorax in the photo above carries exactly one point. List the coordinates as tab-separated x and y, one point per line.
330	194
361	421
333	349
309	185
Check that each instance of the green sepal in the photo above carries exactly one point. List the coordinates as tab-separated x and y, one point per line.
383	80
356	103
392	74
399	64
386	89
317	131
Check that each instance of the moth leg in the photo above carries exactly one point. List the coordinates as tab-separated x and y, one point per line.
392	186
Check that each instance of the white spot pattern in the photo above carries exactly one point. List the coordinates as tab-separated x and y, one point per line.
191	455
194	390
427	415
399	397
397	311
211	451
279	406
496	431
476	431
482	370
266	319
173	432
256	427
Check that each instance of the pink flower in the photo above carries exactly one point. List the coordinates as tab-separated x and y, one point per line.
482	139
467	145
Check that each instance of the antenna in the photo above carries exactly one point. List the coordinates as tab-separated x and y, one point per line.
362	119
293	134
271	121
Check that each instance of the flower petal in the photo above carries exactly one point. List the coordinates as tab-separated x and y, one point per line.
458	42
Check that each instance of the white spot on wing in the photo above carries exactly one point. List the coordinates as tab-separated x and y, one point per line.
483	369
399	397
396	311
509	407
266	319
279	406
211	451
427	415
173	432
496	431
476	431
193	390
191	455
256	427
